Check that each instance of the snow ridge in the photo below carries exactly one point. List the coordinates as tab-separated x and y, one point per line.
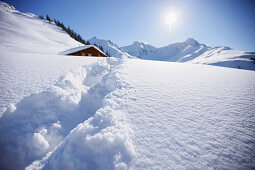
193	52
7	6
110	47
26	33
76	119
139	49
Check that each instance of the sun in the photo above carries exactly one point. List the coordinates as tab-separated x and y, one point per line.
171	18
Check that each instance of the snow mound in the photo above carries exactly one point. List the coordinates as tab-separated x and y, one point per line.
110	47
66	117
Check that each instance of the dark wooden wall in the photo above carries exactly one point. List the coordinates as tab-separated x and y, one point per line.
89	51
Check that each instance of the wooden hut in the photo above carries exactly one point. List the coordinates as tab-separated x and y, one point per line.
86	50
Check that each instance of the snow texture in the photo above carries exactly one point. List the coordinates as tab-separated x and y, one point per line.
65	119
188	116
101	141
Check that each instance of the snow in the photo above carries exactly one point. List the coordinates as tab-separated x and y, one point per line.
72	50
174	115
226	58
72	112
29	61
139	49
40	143
23	74
192	51
110	47
26	33
34	127
190	116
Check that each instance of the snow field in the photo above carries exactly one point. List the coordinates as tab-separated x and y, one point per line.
135	114
64	119
24	74
188	116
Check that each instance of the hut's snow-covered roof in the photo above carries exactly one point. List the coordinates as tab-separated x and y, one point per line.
73	50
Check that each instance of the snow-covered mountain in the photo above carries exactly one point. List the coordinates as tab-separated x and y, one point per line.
110	47
193	52
139	49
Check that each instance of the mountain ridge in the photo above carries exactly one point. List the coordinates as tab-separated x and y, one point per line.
192	51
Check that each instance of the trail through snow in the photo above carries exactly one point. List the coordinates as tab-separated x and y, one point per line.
66	119
135	114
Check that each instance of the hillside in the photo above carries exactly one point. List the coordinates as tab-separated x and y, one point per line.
26	43
193	52
26	33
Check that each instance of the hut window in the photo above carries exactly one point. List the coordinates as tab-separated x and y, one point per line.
89	54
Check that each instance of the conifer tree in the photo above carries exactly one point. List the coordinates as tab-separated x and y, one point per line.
101	48
68	30
48	18
108	54
41	17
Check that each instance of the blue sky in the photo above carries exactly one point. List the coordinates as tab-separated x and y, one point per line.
212	22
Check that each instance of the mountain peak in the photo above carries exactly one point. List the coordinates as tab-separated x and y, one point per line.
192	42
137	43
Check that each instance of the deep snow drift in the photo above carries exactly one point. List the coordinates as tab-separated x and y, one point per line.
50	121
69	112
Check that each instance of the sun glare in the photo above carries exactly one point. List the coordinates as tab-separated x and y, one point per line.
171	18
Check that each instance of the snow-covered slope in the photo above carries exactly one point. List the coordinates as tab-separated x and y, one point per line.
24	41
25	32
110	47
220	56
194	52
139	49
